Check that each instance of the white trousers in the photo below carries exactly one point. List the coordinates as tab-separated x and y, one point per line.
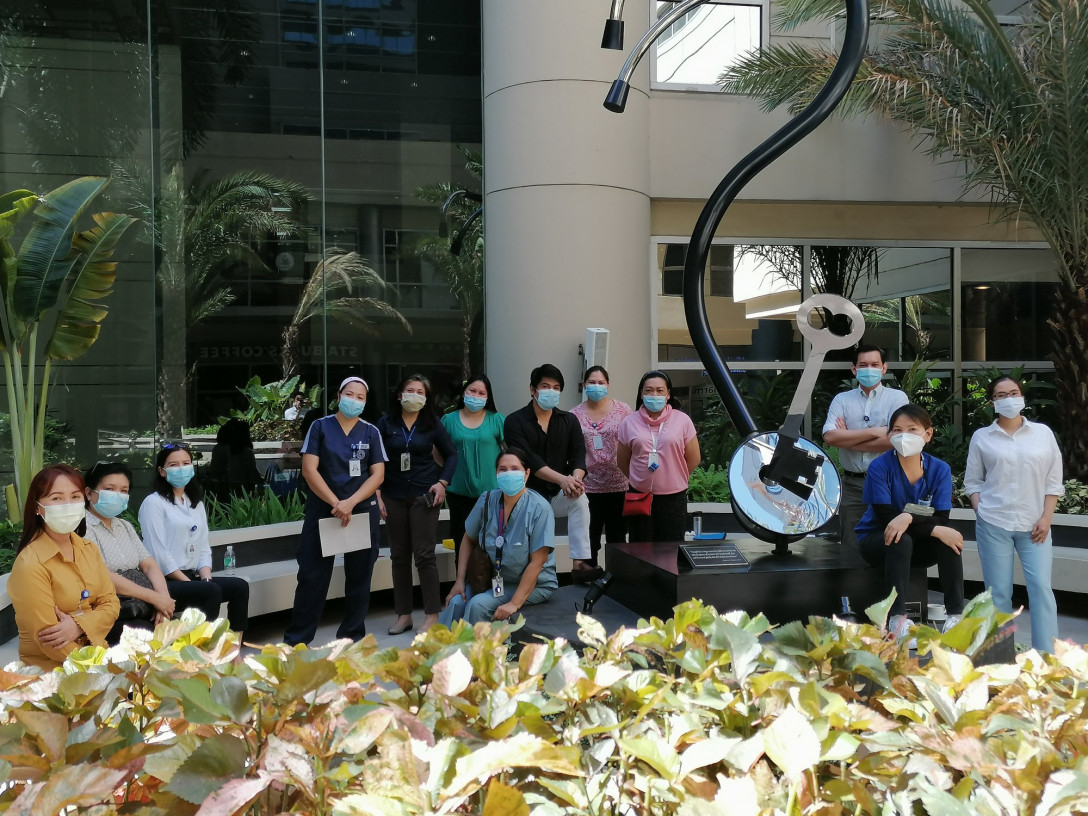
576	512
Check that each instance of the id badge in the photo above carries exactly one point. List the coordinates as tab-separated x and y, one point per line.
496	586
654	463
918	509
192	548
355	468
405	462
598	442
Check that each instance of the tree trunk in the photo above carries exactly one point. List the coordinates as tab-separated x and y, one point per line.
289	353
1069	339
466	344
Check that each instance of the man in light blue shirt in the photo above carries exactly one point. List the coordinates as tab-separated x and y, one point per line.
857	424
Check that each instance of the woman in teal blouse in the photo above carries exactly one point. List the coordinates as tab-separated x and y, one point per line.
476	430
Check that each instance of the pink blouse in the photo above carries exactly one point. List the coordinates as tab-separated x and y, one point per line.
671	433
602	473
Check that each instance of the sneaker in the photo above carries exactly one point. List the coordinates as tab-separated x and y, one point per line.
949	622
899	629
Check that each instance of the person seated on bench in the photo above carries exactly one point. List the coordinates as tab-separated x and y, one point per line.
516	529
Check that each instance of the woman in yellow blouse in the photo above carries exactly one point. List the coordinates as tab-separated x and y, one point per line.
59	586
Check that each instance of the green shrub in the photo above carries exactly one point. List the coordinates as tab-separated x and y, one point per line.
253	509
709	484
1075	499
700	715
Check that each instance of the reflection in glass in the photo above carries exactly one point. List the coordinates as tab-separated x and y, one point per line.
698	47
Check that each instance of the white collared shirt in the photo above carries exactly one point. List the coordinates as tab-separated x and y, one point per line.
176	534
863	411
1013	473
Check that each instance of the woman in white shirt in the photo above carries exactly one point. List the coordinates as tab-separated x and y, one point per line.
175	528
1014	480
137	579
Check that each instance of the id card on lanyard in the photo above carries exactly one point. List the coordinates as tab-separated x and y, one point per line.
655	458
406	457
500	542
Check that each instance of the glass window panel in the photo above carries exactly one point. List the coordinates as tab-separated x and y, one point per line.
1008	296
752	296
695	50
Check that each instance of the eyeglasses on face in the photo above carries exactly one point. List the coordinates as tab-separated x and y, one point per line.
1007	394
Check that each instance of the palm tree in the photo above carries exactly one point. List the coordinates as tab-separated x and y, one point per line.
1008	102
337	286
463	271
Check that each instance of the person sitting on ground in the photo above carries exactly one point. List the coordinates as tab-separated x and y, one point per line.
137	579
59	586
516	528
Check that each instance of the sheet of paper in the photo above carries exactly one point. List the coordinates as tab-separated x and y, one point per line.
336	538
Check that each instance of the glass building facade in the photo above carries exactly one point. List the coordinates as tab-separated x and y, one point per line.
253	138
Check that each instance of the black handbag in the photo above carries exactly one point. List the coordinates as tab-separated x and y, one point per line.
134	608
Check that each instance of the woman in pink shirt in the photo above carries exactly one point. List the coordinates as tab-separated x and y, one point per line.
658	450
600	417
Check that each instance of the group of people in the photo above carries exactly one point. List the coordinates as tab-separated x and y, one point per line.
82	573
896	498
503	478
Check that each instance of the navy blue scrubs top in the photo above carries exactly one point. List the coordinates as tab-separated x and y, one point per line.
334	451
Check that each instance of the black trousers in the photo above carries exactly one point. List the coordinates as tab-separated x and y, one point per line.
460	507
605	516
315	574
896	560
668	519
208	596
412	525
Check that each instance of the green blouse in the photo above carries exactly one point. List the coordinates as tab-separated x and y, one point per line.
477	450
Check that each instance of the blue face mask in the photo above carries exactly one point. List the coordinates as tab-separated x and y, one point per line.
511	482
547	398
869	377
655	404
474	404
179	476
111	503
596	391
351	408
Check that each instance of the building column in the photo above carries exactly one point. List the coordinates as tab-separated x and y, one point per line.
566	185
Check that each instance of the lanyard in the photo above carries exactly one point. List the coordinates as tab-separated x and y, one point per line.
408	436
500	540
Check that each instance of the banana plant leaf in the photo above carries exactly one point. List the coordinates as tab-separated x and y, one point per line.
92	276
13	207
46	256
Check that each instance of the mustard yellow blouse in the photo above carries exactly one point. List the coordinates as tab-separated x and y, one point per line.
42	578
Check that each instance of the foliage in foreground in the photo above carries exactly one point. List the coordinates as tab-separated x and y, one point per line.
699	715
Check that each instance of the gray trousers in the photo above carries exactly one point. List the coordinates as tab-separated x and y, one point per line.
851	508
412	525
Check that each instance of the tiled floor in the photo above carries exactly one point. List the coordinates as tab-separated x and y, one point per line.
269	628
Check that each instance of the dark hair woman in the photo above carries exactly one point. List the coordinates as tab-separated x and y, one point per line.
1014	481
658	450
343	463
516	528
60	588
475	429
600	417
412	496
137	579
174	523
909	494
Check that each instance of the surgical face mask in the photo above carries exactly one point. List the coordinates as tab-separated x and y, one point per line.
511	482
655	405
474	403
351	408
179	476
63	518
111	503
412	403
869	377
547	398
907	444
1009	407
596	391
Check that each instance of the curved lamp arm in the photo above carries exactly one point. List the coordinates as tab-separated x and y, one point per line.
853	50
443	226
459	238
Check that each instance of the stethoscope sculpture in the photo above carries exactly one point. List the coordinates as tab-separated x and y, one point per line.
782	486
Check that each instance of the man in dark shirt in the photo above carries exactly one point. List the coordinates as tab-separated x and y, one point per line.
557	458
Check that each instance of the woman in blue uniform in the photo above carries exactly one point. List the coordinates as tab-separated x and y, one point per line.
343	463
516	528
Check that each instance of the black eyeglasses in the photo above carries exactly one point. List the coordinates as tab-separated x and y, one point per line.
173	446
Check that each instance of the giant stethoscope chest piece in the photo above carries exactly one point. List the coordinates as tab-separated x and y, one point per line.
782	486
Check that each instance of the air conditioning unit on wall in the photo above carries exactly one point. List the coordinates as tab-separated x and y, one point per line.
596	348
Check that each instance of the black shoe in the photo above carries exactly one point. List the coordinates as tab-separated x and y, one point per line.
586	574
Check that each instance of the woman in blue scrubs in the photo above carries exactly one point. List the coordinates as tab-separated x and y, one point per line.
343	463
516	527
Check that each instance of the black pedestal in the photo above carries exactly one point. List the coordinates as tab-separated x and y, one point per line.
809	580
